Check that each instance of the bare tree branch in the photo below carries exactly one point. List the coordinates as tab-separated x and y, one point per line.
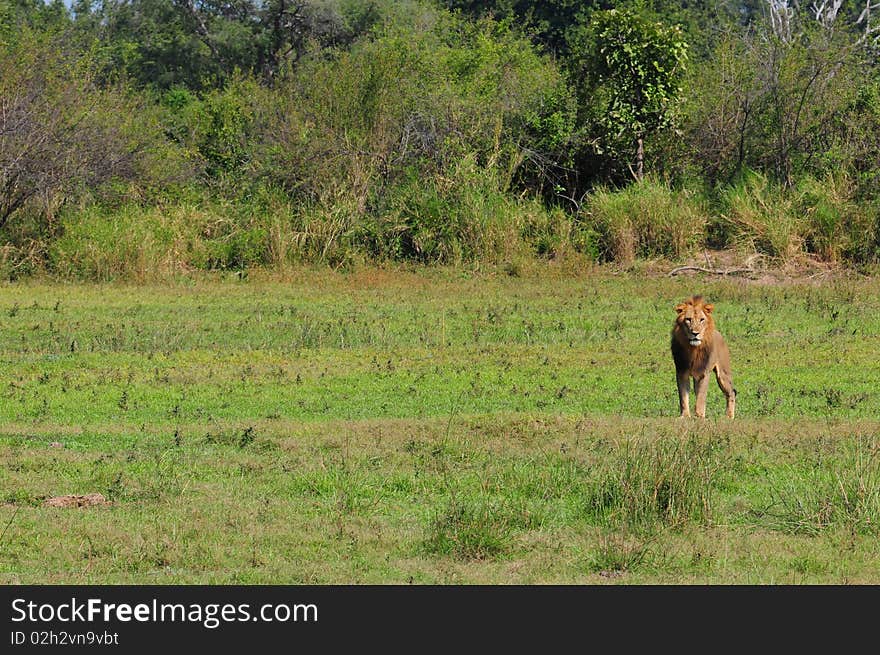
201	26
712	271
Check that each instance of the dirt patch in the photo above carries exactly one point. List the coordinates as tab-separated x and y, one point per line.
75	500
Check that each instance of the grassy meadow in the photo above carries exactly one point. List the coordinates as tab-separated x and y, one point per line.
437	426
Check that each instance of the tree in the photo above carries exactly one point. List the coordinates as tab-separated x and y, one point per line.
59	132
784	97
201	44
637	66
33	14
552	24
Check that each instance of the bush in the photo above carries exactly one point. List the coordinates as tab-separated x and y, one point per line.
451	219
647	219
130	242
218	127
816	217
762	217
838	228
428	105
464	216
552	233
467	220
64	137
147	243
787	109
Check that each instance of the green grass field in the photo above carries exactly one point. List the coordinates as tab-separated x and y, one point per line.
435	427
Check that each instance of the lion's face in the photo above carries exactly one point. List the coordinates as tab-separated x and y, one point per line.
695	319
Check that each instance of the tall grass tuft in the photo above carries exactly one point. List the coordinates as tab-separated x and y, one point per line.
130	242
462	216
150	243
620	553
644	485
647	219
817	217
762	217
838	228
471	529
465	218
844	492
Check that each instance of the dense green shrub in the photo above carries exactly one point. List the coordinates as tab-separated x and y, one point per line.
218	127
64	137
647	219
414	100
816	217
146	138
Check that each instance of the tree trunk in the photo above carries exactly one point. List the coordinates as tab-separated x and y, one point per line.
640	159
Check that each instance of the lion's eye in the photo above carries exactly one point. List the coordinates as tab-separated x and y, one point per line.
702	320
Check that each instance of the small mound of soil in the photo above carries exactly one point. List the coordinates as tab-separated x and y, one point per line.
75	500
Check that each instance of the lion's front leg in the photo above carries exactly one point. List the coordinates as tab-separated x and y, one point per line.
701	388
684	401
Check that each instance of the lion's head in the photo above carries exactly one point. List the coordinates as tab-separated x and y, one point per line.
695	321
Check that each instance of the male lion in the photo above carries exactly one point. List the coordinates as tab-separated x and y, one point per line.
698	349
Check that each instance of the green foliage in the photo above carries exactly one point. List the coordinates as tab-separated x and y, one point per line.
638	64
154	42
218	126
144	243
466	222
642	61
839	228
817	217
423	97
129	243
788	110
163	44
647	219
65	137
403	131
417	137
463	217
558	25
553	24
17	15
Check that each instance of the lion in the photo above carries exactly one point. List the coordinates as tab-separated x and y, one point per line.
698	349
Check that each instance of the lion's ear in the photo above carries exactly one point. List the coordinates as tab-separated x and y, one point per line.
708	308
680	308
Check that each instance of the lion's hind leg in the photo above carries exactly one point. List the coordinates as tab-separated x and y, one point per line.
725	382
